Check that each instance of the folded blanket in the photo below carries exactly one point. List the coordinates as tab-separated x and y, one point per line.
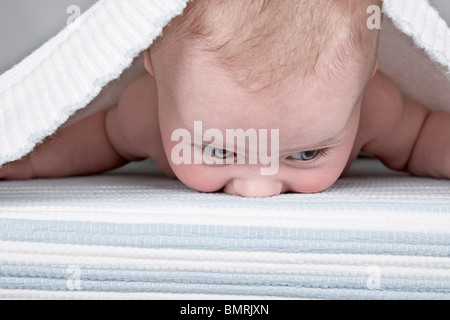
41	93
134	234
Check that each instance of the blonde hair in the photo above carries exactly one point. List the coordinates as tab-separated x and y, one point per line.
263	41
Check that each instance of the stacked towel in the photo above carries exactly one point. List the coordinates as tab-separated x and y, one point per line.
375	234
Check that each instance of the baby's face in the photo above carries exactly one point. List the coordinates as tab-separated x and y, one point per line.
296	140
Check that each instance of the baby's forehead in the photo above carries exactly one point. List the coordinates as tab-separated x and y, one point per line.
225	105
262	51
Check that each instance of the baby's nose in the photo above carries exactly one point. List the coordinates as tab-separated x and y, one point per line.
253	188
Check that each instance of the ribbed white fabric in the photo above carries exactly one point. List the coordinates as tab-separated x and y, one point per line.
312	218
81	295
33	253
415	51
132	234
222	262
66	73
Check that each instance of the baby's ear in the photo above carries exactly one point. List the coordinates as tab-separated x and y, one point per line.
148	63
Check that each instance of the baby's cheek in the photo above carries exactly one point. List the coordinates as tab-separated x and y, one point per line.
315	180
199	178
324	181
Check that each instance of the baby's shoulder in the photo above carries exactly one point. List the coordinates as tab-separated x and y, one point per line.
137	115
140	97
381	110
382	104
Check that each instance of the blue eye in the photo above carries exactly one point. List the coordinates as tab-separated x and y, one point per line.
306	155
218	153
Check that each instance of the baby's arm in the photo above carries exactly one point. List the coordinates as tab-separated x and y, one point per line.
92	145
79	149
404	134
431	155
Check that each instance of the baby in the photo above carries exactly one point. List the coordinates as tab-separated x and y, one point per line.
305	70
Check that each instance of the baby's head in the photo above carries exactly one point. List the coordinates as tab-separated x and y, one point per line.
262	97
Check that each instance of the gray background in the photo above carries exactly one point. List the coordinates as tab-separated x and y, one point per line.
27	24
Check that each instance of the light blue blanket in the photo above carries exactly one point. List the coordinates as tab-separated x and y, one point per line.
133	233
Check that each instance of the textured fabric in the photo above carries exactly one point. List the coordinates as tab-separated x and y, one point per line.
414	51
135	234
66	73
42	92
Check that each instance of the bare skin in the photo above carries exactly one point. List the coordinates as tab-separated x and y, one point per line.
370	116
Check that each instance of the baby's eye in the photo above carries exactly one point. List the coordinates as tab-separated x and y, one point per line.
307	155
218	153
